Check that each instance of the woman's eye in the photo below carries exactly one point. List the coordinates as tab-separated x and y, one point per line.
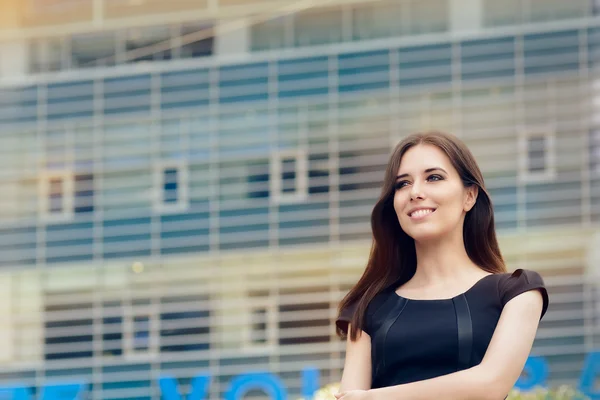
400	185
435	177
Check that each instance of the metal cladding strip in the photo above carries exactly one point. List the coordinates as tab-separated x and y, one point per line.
465	331
383	332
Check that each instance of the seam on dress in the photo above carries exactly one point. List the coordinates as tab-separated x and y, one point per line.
397	309
464	324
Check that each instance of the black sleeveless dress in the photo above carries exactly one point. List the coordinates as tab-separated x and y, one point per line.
413	340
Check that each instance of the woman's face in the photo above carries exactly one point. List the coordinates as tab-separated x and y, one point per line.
430	199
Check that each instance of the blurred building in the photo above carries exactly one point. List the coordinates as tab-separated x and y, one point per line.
186	185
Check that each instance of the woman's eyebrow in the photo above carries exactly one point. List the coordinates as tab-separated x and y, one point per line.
426	171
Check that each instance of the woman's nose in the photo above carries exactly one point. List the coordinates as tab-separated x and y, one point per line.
416	191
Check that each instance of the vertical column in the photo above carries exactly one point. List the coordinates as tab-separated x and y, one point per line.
13	52
586	114
465	15
98	12
520	120
13	59
156	156
233	37
584	97
334	151
273	148
7	329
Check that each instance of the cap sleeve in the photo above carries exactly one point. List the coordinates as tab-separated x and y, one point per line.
345	317
522	281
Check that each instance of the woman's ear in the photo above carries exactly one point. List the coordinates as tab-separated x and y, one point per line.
471	197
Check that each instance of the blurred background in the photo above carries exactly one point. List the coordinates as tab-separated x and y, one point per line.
186	185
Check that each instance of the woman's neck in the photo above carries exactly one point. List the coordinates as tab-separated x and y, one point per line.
443	261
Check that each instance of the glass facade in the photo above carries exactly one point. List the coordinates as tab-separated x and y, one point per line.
207	217
110	151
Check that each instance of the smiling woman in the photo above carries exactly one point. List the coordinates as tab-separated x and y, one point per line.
435	313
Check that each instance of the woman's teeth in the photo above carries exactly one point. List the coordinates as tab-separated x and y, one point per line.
421	213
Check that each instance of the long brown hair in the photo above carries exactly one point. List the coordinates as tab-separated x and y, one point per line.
393	256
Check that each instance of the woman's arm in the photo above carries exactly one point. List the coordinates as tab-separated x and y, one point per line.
494	377
357	367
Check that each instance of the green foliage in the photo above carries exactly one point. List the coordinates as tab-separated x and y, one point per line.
560	393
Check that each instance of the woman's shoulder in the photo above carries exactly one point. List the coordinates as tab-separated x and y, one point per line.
512	284
519	278
374	305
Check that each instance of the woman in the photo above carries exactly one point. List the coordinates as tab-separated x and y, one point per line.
435	314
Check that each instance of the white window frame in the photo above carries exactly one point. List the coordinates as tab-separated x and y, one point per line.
526	176
271	330
130	312
182	187
275	181
68	186
594	149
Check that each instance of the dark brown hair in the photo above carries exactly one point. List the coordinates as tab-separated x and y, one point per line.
393	256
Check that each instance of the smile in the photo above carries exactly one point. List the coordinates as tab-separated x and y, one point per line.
421	213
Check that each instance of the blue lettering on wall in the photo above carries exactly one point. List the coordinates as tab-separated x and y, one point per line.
535	373
15	393
199	388
310	382
591	368
55	391
268	383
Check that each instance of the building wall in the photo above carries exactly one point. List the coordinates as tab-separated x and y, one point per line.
205	214
233	313
129	164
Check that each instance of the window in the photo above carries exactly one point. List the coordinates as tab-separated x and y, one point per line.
258	326
84	193
93	49
550	10
184	323
191	47
318	173
56	196
171	185
507	12
303	315
112	328
148	44
428	16
376	20
594	149
68	325
512	12
289	176
47	55
140	330
171	181
322	26
536	155
270	34
62	195
261	329
140	338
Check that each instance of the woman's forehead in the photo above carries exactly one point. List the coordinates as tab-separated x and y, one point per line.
420	158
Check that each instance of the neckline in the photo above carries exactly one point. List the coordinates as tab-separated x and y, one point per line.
394	288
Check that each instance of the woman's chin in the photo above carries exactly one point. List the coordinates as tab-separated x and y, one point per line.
425	235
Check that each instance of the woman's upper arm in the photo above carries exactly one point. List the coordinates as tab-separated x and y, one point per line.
357	366
513	338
